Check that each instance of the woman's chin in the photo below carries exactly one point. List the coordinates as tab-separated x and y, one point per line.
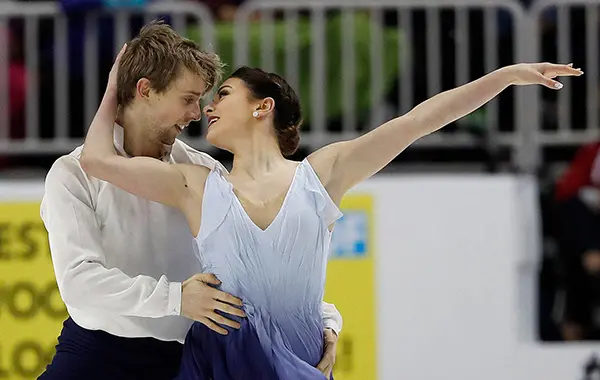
216	141
212	138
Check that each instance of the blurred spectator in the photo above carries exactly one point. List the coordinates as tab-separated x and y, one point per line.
223	10
578	195
16	92
16	89
16	86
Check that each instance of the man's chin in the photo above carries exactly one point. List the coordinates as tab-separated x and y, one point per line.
170	140
169	143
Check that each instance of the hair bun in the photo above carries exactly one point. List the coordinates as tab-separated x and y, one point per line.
289	139
287	116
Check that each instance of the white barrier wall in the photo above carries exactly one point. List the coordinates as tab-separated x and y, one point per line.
455	275
455	260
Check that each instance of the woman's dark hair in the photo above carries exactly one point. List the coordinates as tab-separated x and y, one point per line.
287	113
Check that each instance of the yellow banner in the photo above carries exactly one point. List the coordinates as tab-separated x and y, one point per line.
31	310
351	287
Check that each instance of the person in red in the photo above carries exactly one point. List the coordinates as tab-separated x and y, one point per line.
577	193
16	93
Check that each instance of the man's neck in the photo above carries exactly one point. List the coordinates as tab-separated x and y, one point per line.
136	141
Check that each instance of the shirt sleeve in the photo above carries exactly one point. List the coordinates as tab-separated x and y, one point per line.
74	234
332	318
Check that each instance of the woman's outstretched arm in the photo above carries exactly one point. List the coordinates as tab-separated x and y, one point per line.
343	165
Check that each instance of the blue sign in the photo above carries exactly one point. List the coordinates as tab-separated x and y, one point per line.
351	235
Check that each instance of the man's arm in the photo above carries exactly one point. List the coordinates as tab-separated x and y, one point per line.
79	262
332	319
85	282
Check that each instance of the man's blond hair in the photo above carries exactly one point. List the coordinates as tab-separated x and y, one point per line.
159	54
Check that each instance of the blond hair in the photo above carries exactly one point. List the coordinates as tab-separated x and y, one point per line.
158	53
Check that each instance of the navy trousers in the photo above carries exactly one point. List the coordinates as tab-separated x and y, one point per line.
96	355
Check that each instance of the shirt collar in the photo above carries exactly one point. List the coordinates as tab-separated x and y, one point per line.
119	140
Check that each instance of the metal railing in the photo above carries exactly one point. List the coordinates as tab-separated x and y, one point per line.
66	132
431	69
355	63
564	31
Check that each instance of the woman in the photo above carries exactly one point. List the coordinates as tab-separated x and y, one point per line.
264	229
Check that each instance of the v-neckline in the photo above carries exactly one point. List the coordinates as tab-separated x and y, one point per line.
285	201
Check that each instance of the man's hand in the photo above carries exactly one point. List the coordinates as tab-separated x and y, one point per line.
329	352
200	301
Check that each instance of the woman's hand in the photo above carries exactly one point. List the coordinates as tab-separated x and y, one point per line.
540	73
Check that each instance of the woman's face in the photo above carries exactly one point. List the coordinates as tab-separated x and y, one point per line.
229	116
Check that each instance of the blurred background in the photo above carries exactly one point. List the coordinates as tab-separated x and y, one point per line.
475	254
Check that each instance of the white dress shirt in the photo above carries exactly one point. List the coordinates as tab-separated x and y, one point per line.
119	260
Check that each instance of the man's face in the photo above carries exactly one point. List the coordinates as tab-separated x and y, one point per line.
169	112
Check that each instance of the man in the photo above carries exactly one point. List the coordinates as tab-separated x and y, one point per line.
121	261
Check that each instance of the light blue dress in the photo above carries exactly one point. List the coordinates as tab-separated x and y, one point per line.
279	273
